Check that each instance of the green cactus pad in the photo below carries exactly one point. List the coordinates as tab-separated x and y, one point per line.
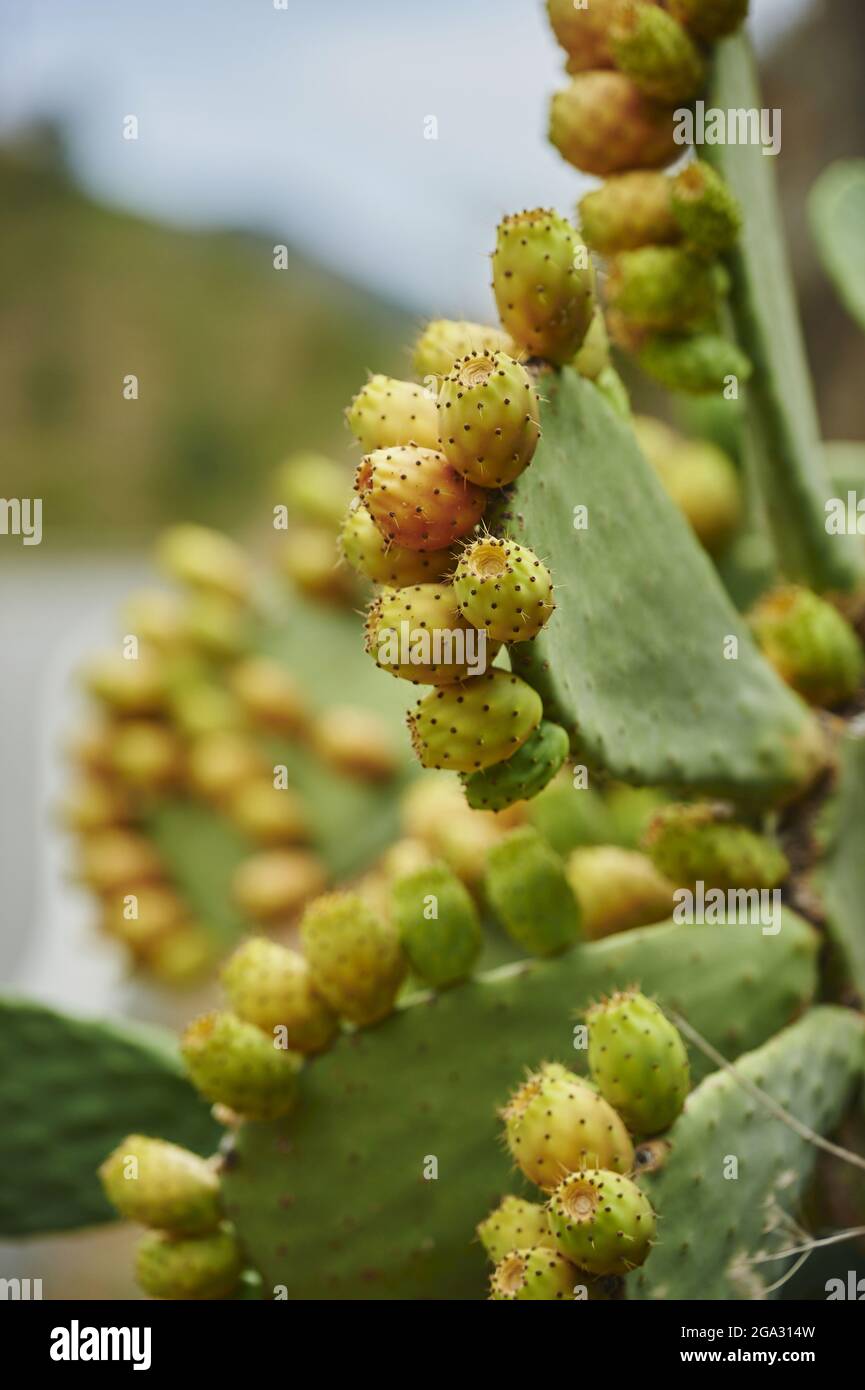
839	879
334	1204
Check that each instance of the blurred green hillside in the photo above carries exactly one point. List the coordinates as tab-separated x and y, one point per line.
238	363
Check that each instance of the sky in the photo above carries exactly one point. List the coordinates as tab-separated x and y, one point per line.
308	121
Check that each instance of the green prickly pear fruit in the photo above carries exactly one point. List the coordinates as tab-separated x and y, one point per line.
489	418
629	810
202	1267
269	694
594	355
556	1123
531	1275
701	843
602	1221
698	363
232	1062
438	924
603	124
653	49
504	589
583	32
709	19
638	1061
810	644
628	211
387	412
420	635
417	498
205	559
270	986
521	776
514	1224
662	287
128	686
162	1185
617	889
615	392
567	816
276	883
368	552
462	728
313	489
355	959
529	891
705	209
544	283
444	341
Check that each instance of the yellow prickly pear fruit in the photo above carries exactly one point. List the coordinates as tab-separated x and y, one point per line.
129	686
277	882
267	814
420	635
233	1063
540	1274
544	283
205	559
143	915
628	211
111	859
489	418
313	489
556	1123
310	559
162	1185
189	1267
514	1224
504	589
810	644
482	721
146	755
603	124
355	742
355	958
94	804
617	889
271	987
386	412
216	624
155	617
181	956
370	553
653	49
444	341
269	694
219	763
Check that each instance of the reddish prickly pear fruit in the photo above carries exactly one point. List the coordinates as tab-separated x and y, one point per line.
521	776
528	890
603	124
514	1224
601	1221
617	889
702	843
462	728
556	1123
698	363
709	19
594	355
387	412
504	589
159	1184
544	283
704	208
420	635
628	211
539	1274
271	987
810	644
662	287
355	960
202	1267
205	559
653	49
489	418
269	694
438	924
444	341
275	883
232	1062
417	498
638	1061
369	553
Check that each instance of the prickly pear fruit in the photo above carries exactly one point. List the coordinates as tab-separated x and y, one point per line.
532	1275
504	589
205	559
810	644
438	924
420	635
462	728
698	363
146	755
369	553
629	810
267	814
662	287
544	283
567	816
271	986
94	804
355	742
218	763
653	49
355	960
583	32
417	498
141	918
309	559
701	843
160	1184
276	883
514	1224
113	858
489	418
313	489
126	685
601	1221
628	211
216	624
202	1267
705	209
444	341
387	412
617	889
269	694
521	776
702	480
603	124
232	1062
638	1061
594	355
155	617
709	19
556	1123
528	890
